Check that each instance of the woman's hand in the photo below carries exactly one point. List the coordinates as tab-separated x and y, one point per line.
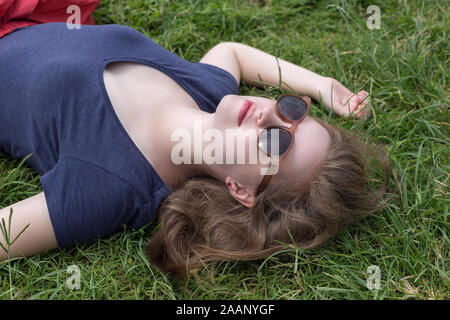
344	102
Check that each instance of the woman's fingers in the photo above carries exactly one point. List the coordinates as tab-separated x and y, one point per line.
361	109
363	95
356	105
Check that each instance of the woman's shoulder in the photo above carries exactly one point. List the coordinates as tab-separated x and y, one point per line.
56	28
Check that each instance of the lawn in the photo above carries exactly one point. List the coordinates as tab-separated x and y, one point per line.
404	66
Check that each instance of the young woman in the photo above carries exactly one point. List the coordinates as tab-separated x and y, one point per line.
97	108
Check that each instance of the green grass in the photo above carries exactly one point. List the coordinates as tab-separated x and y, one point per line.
404	66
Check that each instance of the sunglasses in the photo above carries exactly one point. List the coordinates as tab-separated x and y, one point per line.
289	108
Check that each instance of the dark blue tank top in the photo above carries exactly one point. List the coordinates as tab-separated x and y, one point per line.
54	106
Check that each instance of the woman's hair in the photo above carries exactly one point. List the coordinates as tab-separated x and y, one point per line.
201	222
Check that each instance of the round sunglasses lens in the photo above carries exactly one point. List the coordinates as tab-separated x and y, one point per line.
292	108
274	141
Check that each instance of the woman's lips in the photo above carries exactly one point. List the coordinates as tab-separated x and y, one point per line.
244	112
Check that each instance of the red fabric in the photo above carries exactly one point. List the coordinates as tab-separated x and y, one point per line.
21	13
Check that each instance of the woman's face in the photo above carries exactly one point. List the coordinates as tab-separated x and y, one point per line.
300	163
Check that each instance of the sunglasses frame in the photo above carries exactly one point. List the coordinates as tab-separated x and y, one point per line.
291	130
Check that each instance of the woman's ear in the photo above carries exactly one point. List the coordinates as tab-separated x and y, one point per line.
245	196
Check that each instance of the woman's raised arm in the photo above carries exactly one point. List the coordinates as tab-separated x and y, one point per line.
257	67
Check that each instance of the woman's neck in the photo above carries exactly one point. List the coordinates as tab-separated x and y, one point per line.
176	135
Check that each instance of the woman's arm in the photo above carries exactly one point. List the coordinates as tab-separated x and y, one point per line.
254	66
37	237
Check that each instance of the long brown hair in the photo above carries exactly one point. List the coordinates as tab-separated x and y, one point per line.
201	222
